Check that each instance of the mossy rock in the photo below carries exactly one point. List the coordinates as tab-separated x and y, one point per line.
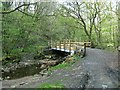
39	56
11	59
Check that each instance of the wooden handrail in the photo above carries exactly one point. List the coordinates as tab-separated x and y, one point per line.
68	44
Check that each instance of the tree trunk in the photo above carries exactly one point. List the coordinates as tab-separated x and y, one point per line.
119	32
99	37
119	23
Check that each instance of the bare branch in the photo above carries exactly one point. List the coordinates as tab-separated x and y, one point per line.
7	12
25	13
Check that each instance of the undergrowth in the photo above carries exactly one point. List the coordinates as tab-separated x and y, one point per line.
52	85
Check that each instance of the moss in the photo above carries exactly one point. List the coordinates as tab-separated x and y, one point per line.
10	59
76	57
65	65
60	66
52	85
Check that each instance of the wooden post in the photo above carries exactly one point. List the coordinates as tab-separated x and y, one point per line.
64	44
48	44
60	44
69	45
56	45
119	55
84	50
75	45
51	44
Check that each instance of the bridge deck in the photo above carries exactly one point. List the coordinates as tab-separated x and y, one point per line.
64	50
68	46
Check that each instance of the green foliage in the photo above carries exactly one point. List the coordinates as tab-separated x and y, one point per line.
20	35
52	85
60	66
67	28
76	57
64	65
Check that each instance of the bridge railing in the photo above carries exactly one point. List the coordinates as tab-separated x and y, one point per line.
69	45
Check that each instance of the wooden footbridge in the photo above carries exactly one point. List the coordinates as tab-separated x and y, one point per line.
70	46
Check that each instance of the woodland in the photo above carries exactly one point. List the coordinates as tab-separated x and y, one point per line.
27	28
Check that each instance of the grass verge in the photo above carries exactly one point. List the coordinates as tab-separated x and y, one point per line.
52	85
64	65
60	66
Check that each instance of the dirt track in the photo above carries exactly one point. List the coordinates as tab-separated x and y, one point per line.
97	70
100	64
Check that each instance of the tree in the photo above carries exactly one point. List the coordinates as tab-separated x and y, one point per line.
25	31
119	23
85	14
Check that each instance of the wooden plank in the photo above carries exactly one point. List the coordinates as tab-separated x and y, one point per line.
56	45
60	44
69	46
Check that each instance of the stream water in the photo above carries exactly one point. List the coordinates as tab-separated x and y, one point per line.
22	72
30	69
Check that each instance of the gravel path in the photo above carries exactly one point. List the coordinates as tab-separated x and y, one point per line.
93	71
98	64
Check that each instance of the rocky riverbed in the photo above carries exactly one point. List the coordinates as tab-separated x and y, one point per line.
31	66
